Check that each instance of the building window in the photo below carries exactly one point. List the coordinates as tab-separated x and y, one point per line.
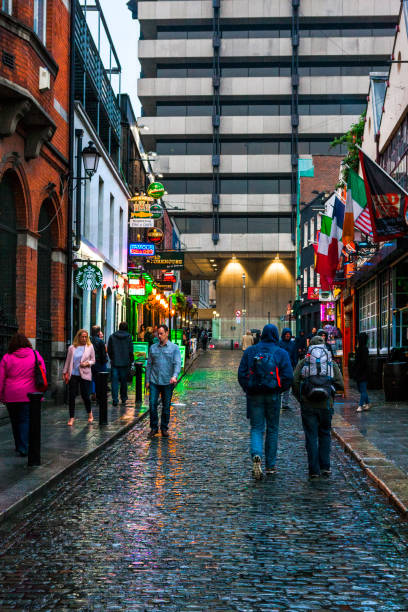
367	311
40	19
305	281
111	227
312	229
305	234
7	6
121	230
385	307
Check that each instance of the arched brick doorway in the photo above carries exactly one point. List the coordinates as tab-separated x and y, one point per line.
8	261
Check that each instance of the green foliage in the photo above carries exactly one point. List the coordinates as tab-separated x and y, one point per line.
179	300
353	137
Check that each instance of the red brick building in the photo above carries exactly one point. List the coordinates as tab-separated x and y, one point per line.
34	151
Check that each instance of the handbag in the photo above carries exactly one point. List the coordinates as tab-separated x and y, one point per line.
40	378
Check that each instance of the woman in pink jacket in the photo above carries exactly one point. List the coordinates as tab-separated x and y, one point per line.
16	381
77	372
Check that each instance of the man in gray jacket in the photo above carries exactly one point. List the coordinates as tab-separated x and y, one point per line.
120	351
163	369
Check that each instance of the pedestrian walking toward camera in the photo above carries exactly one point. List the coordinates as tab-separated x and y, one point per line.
120	351
77	373
316	379
264	373
163	369
325	335
286	343
247	340
362	371
16	381
101	359
204	339
300	345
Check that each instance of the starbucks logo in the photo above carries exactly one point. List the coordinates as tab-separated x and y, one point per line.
89	277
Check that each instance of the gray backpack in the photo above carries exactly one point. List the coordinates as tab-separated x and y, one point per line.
317	374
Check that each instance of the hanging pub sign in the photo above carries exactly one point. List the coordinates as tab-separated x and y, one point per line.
164	286
140	206
142	223
139	249
137	286
168	277
313	293
155	190
89	277
155	235
166	259
156	211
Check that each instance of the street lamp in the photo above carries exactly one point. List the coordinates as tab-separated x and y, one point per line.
90	157
244	305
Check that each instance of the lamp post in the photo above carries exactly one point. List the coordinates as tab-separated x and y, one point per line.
244	304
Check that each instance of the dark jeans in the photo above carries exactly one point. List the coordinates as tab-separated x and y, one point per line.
119	376
264	408
76	384
165	391
19	417
362	387
317	427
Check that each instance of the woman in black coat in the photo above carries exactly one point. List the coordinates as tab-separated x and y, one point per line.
361	371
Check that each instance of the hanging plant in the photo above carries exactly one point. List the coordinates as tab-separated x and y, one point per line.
179	300
189	302
351	139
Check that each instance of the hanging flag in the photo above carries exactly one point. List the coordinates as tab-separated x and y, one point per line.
387	201
357	213
330	241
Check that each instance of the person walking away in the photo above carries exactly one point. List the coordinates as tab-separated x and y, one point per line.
77	373
286	343
257	338
16	381
324	334
163	369
247	340
120	351
264	373
101	359
300	345
315	381
361	371
204	339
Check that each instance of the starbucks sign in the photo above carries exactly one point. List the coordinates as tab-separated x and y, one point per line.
89	277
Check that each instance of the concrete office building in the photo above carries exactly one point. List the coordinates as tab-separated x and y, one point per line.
233	92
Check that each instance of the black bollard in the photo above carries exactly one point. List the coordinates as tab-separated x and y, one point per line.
34	432
232	345
139	376
103	397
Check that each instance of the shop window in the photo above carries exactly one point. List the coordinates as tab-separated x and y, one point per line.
7	6
368	312
385	308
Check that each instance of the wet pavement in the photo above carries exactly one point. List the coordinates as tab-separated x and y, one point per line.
178	524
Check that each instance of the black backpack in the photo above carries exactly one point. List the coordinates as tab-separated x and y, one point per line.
264	373
317	374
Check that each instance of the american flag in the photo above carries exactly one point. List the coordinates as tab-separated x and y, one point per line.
363	221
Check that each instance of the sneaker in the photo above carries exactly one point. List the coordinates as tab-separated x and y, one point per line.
270	470
366	407
360	409
114	403
165	433
152	433
314	476
325	473
257	467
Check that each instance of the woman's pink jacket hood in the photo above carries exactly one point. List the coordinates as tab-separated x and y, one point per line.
17	375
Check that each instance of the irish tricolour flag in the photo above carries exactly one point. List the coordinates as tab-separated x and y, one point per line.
330	241
357	213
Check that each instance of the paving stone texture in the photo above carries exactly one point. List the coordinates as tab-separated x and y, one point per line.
178	524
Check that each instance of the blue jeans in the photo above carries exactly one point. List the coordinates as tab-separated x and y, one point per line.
166	392
362	387
317	427
263	408
19	417
119	376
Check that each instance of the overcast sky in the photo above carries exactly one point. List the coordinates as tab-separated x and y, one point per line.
124	32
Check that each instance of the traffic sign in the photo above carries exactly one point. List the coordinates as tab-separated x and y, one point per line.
238	313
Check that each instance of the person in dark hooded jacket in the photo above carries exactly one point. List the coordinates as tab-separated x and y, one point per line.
120	351
287	344
361	371
300	345
264	405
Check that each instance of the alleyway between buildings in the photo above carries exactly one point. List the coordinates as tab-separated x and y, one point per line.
179	524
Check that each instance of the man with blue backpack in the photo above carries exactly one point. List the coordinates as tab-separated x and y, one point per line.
264	373
317	378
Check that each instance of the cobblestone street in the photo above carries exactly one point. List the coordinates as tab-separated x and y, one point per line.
179	524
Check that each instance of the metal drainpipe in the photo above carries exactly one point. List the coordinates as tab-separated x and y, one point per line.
78	199
68	290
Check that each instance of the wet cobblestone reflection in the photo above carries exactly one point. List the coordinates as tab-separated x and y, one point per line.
178	524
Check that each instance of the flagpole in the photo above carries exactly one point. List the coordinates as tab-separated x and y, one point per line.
382	170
